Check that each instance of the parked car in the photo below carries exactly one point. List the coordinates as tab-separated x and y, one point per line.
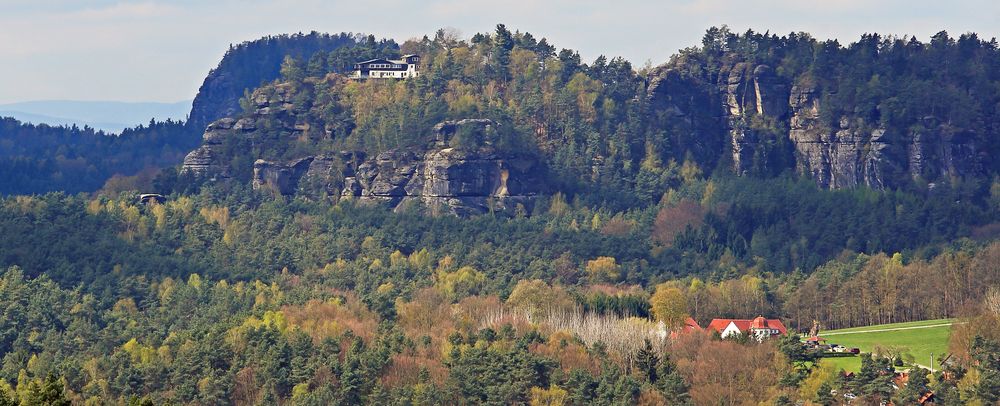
854	351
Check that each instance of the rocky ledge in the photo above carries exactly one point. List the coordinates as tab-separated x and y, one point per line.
448	180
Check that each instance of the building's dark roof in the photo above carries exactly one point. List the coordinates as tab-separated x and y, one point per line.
373	61
393	65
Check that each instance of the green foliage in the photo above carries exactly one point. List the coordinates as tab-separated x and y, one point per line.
986	353
874	381
227	294
37	159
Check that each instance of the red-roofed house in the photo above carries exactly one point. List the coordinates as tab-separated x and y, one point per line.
759	328
689	326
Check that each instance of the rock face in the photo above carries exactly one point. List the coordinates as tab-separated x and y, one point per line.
746	113
747	91
283	178
274	107
456	181
842	157
204	160
446	180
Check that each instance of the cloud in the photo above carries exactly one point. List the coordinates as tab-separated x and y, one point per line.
125	11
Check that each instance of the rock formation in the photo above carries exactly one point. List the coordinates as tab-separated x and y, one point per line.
248	65
447	180
205	160
457	181
728	111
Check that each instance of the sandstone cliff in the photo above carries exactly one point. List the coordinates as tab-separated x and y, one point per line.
755	116
446	180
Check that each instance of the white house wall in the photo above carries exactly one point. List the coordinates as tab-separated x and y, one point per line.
731	329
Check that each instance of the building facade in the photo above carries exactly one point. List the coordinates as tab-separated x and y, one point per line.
403	68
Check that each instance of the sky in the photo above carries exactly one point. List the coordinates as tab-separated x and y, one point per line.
161	50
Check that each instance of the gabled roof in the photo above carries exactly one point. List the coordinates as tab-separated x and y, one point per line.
721	324
745	325
690	325
777	325
761	323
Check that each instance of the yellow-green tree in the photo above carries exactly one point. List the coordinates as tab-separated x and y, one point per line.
553	396
464	282
604	269
669	305
538	298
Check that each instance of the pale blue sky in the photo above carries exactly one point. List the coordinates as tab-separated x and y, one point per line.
160	50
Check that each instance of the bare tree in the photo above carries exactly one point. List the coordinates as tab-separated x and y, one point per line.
992	301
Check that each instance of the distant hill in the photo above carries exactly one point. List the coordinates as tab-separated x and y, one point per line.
110	116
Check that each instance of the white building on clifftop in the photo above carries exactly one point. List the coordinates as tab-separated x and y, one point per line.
387	68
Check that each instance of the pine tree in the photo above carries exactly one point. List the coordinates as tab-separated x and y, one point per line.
351	378
823	395
670	382
647	362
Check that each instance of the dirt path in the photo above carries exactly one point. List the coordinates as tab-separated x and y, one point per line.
889	329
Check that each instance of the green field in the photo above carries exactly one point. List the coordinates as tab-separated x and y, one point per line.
918	339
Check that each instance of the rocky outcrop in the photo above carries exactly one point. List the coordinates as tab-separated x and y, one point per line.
446	181
843	157
283	178
248	65
205	161
748	112
458	181
272	107
748	91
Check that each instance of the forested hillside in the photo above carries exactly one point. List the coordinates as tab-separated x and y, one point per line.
233	295
884	112
514	226
253	63
40	158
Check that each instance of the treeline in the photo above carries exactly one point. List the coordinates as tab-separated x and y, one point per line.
36	159
854	290
237	296
882	289
296	340
594	126
716	231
